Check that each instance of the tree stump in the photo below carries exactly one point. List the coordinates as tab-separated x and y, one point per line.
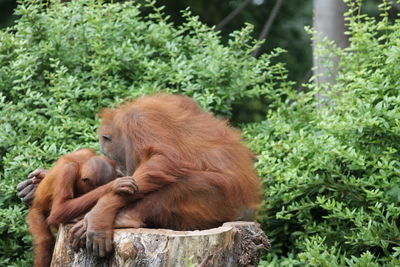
232	244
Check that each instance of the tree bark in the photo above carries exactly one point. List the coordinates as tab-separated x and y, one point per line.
328	22
232	244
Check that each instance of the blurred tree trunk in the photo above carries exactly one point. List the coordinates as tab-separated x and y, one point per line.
328	22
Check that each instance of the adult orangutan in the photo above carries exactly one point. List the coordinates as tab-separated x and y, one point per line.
61	197
190	169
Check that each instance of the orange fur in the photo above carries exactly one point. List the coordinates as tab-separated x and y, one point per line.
190	167
61	196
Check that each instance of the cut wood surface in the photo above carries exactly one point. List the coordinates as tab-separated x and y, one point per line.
232	244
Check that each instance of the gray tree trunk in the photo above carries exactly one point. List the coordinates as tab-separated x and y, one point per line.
328	22
233	244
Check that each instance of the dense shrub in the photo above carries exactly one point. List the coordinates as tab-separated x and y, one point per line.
331	166
60	64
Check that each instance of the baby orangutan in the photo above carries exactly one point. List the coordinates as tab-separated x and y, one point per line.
63	195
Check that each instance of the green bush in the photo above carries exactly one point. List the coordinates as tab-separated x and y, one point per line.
331	165
60	64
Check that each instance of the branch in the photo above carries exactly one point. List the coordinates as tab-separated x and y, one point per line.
232	15
267	25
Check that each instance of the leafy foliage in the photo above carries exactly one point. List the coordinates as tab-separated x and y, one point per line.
331	164
60	64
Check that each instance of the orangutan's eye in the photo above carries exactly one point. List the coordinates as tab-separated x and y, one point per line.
106	138
86	180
